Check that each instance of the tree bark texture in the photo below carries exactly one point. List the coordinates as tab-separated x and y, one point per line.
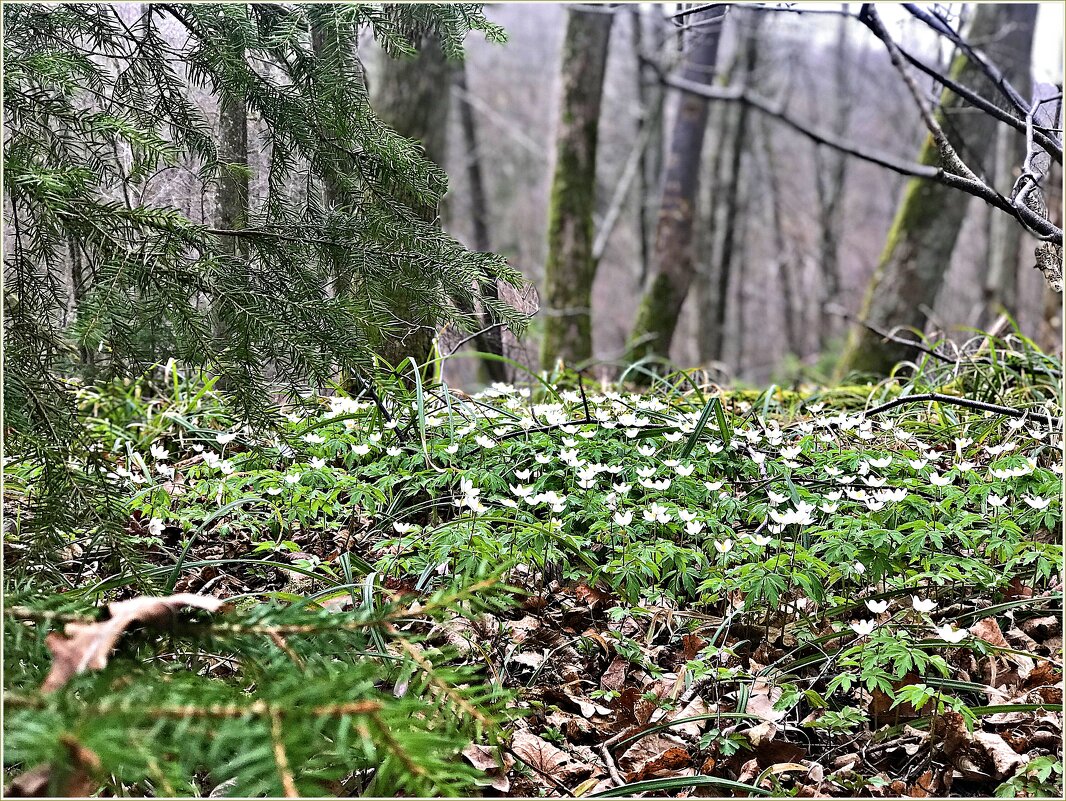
650	98
490	341
232	192
1000	290
923	234
830	177
674	260
570	267
412	97
730	192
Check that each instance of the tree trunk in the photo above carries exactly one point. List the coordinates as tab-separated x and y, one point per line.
830	177
232	192
924	232
999	293
332	60
729	191
1000	289
412	97
650	99
490	341
674	262
708	233
784	263
570	267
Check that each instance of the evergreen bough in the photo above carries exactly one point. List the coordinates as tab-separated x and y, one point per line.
268	701
105	278
103	282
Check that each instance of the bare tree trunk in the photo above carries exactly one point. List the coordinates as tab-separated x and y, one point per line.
708	235
999	292
570	267
927	223
1000	289
729	192
830	177
491	341
660	308
412	97
650	98
784	263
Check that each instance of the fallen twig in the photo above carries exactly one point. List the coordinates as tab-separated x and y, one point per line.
966	403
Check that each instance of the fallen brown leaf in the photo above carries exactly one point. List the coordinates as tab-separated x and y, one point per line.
1004	760
546	759
653	755
75	779
989	631
495	762
87	646
614	678
762	699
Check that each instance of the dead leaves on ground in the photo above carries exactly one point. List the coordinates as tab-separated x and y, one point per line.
563	651
649	723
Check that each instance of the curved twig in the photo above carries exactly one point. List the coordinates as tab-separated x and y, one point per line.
965	403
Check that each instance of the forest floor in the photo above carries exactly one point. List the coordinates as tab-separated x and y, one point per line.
707	593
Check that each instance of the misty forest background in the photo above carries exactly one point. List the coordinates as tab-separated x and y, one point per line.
787	233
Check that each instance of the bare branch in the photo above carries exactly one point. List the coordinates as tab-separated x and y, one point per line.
987	67
968	404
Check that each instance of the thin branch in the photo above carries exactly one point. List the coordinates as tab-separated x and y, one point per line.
965	403
473	336
949	156
621	190
1049	144
776	111
916	345
1041	227
988	68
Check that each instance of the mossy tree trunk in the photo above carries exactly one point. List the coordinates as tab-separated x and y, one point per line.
674	260
923	235
570	268
412	96
232	191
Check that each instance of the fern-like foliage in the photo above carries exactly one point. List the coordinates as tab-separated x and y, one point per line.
104	279
269	701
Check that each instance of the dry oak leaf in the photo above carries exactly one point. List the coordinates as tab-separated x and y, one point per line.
545	758
1005	761
654	756
494	762
87	646
762	699
614	678
989	631
692	728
